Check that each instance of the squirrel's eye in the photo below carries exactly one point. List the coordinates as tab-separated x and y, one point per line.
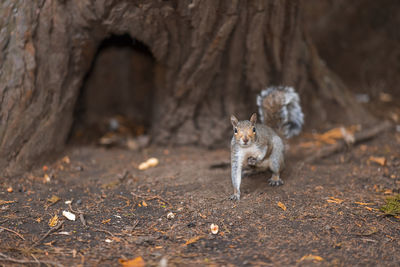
254	129
235	130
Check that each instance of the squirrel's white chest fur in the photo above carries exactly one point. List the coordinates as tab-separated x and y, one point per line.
250	151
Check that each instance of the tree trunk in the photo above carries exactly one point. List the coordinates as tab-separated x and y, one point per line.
212	58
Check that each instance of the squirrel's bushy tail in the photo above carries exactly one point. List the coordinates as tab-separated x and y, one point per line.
279	108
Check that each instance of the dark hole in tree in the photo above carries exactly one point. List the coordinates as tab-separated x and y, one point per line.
117	92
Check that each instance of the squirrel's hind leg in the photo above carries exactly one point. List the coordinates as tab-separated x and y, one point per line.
275	180
276	162
275	165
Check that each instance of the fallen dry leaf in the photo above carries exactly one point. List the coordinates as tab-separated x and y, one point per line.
108	139
364	203
330	137
2	202
371	209
281	205
54	199
53	221
66	160
193	239
313	168
329	141
380	160
388	192
136	262
385	97
116	239
311	257
335	200
370	231
105	221
202	216
309	144
46	178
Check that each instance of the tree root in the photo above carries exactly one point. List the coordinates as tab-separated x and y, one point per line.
341	144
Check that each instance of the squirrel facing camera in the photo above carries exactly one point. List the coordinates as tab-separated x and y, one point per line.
258	144
244	131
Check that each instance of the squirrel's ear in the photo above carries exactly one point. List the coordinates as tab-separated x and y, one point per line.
234	121
253	118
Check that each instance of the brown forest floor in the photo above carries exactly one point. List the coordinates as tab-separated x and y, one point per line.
332	212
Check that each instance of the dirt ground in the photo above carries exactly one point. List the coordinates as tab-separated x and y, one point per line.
326	214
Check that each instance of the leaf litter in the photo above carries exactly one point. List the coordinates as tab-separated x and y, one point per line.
147	231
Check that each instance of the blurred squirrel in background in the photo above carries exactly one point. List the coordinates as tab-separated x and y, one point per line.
260	144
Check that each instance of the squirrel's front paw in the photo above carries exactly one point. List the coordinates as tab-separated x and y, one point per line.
251	161
275	182
235	197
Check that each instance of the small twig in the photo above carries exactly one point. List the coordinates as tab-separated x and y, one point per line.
56	228
123	176
136	195
82	219
81	213
37	261
102	230
70	206
148	198
358	138
128	202
135	224
159	198
3	221
4	257
12	231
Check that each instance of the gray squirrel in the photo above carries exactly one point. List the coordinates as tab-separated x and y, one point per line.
260	144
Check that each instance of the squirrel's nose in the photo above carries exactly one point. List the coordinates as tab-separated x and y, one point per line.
245	140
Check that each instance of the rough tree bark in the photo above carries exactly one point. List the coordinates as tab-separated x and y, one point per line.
213	57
